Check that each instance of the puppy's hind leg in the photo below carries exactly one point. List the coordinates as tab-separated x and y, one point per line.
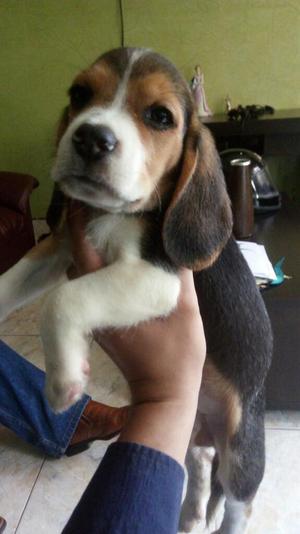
35	273
241	469
198	464
216	498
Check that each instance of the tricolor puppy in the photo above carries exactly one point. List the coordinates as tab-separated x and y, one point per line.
131	147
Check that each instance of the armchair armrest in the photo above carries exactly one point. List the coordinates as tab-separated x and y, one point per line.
15	190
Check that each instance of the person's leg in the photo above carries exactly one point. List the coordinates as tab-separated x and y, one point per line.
24	408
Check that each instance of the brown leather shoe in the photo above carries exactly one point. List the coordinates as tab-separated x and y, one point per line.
2	524
98	421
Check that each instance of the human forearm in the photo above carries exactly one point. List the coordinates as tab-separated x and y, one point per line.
163	425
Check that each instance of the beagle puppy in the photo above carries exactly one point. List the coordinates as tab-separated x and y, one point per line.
131	147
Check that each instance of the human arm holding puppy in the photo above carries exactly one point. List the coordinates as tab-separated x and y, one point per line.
162	361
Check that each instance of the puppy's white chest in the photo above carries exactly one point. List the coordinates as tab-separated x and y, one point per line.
115	237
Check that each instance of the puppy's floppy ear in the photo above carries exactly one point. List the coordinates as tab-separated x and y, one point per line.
56	212
198	221
63	124
57	207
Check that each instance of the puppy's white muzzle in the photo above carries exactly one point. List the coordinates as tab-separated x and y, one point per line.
118	177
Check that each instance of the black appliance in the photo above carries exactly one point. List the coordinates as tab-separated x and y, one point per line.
265	195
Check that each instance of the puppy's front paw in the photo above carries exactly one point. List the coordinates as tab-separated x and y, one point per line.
63	391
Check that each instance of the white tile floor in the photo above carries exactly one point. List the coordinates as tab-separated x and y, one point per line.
37	494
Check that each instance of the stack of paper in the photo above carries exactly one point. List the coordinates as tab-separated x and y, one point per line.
258	261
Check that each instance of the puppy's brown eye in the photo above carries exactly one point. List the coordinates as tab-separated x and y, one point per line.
80	95
159	118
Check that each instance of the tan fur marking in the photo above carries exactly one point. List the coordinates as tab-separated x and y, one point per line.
205	263
224	393
189	164
204	437
153	88
248	510
104	83
102	80
163	148
208	157
149	90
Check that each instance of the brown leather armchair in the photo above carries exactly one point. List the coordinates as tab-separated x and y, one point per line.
16	229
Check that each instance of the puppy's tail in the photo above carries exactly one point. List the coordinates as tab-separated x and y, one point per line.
216	492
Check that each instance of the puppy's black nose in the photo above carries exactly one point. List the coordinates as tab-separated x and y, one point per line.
93	142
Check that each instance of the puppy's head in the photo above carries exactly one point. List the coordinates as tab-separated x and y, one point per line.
131	138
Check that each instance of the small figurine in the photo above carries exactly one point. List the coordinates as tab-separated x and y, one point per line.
197	87
228	105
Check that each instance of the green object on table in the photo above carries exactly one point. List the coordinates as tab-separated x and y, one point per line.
280	276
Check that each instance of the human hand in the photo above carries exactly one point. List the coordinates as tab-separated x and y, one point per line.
161	359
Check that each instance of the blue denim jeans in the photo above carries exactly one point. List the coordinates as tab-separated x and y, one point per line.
24	408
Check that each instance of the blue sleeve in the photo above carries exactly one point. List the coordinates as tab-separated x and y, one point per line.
135	490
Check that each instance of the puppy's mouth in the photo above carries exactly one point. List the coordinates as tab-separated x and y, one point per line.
97	184
96	192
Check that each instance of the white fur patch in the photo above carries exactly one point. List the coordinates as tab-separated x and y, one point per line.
119	99
236	517
115	236
124	168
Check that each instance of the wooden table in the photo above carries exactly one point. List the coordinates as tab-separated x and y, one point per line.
277	134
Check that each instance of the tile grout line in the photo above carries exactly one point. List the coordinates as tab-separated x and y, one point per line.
282	428
30	494
19	335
